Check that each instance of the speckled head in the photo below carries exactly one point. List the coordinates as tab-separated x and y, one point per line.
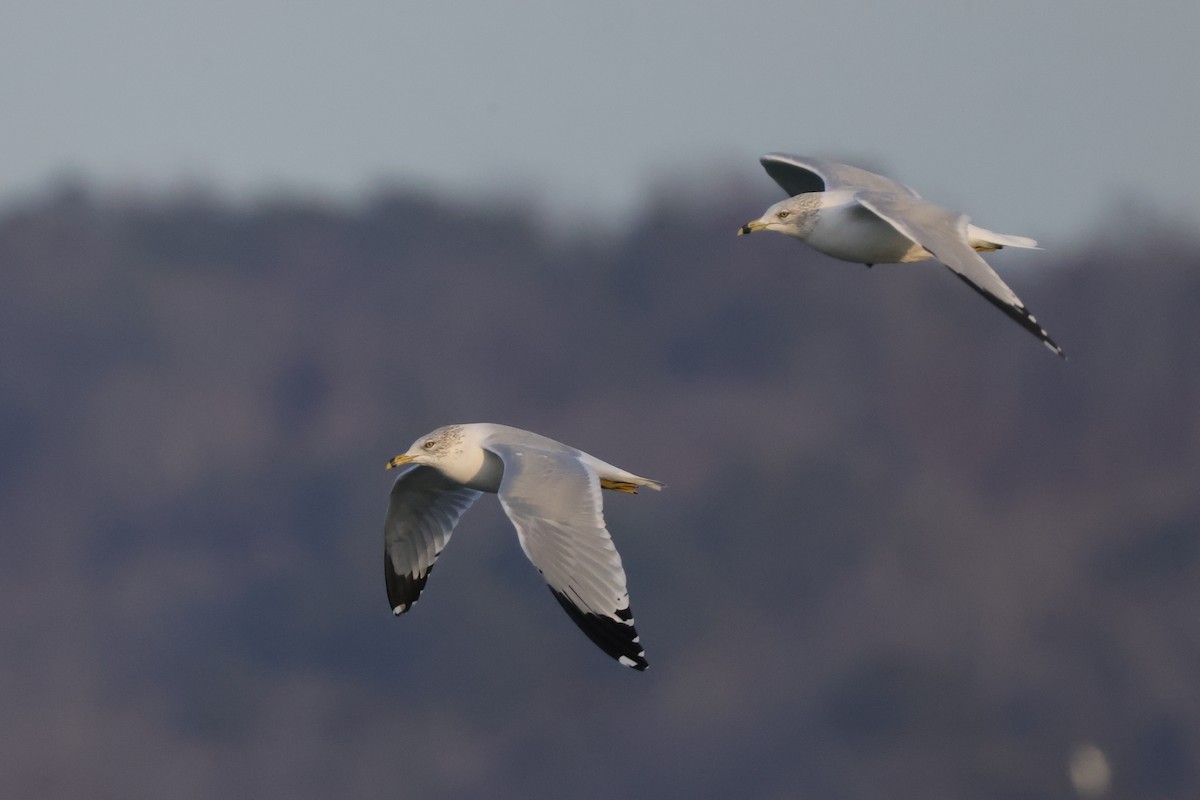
440	441
795	216
432	447
456	451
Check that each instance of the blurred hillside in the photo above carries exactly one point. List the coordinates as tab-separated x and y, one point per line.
903	551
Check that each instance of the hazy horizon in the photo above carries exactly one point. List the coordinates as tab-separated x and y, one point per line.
1036	120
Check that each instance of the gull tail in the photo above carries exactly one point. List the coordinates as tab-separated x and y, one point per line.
617	479
650	483
984	240
629	487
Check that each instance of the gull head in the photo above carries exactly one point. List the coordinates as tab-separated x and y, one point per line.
794	217
440	448
457	451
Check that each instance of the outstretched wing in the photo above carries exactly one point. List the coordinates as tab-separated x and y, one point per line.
944	234
424	507
553	500
798	175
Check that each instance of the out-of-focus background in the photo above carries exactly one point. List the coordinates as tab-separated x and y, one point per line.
250	251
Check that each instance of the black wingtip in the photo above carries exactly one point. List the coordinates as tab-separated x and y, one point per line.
402	590
617	637
1053	347
1020	314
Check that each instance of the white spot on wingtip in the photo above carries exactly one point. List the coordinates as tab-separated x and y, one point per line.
400	609
627	661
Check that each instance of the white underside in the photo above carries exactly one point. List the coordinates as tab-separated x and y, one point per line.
847	231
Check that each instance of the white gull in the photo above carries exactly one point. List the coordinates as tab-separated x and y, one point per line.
550	492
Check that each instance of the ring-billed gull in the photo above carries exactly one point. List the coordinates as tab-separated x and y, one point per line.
856	215
550	492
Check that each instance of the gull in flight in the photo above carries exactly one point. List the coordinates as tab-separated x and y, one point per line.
550	492
855	215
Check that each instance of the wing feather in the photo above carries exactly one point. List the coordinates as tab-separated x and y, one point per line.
944	234
799	175
423	509
553	500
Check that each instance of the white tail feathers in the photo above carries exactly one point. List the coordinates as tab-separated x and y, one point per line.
983	239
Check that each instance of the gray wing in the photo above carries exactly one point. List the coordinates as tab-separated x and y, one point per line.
553	500
944	234
423	509
798	175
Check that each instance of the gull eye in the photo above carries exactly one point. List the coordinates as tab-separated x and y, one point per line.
783	214
429	444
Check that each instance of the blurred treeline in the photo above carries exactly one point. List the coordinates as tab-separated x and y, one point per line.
903	552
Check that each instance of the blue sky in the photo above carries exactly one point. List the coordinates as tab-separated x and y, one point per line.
1037	118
